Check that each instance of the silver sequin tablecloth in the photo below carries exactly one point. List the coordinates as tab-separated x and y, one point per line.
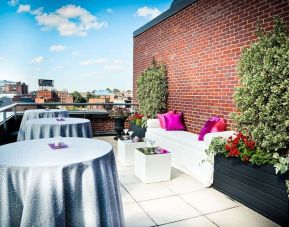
74	186
50	127
40	113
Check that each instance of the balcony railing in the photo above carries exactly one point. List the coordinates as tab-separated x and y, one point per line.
98	113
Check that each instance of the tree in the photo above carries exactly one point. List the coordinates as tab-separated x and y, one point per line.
115	90
77	97
108	89
263	96
90	96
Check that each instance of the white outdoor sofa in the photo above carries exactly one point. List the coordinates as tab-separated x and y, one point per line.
187	152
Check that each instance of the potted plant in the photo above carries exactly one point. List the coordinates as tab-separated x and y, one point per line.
255	178
137	125
252	167
119	114
152	91
152	164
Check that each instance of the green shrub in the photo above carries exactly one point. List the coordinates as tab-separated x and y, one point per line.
152	90
263	96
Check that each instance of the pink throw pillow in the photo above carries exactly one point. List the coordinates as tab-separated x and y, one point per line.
174	121
220	126
208	127
162	120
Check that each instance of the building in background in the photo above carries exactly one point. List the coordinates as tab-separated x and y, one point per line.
45	96
10	87
64	97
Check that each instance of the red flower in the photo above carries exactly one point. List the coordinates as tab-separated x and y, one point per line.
228	147
236	140
246	158
234	153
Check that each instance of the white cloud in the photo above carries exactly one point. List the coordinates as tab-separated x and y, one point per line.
117	61
69	20
1	58
114	68
24	9
92	74
38	11
109	10
147	12
57	48
37	60
61	20
94	61
57	67
75	52
13	2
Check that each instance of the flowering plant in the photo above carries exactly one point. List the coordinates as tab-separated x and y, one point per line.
241	146
244	147
119	112
136	119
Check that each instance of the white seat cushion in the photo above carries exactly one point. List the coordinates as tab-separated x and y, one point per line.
182	137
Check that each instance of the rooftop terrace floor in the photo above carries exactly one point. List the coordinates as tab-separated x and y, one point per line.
180	202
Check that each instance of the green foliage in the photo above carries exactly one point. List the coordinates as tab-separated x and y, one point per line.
262	158
78	98
217	146
90	96
263	95
152	90
282	163
119	112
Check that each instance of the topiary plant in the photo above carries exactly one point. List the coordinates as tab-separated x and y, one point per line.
263	96
152	90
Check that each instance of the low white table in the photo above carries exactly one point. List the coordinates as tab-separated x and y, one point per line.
126	151
152	168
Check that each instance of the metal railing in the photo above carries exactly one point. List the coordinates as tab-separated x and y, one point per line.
16	110
12	109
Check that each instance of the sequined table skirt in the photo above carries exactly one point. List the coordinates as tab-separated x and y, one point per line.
78	194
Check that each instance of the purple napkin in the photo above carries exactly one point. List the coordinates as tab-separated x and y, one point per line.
52	145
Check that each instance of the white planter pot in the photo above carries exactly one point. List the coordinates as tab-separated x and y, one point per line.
126	151
152	168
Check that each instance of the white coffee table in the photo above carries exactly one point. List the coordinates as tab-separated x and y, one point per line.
152	168
126	151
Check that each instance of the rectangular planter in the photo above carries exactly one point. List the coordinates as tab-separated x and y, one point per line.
152	168
125	151
258	187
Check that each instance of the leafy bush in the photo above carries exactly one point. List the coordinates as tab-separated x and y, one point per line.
263	96
152	90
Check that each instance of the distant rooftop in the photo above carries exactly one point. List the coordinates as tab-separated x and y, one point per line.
102	92
3	82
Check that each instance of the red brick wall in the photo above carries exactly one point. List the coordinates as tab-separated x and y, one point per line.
201	46
103	124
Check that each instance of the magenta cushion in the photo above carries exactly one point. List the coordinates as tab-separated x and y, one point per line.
219	126
207	127
162	120
174	121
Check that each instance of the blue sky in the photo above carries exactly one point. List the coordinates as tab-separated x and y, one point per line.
81	45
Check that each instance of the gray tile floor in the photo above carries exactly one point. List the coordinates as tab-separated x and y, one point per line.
180	202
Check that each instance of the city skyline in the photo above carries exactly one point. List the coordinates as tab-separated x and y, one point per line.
82	46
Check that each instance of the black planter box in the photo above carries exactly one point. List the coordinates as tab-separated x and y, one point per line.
137	131
258	187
